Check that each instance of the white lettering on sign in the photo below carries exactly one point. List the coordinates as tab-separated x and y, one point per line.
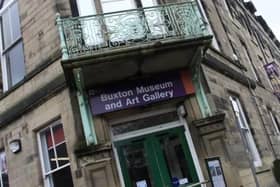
152	88
113	106
157	95
117	95
132	101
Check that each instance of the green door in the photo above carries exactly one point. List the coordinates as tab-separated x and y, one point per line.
160	159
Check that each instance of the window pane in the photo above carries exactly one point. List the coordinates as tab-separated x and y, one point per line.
86	7
3	164
4	169
6	29
58	134
52	159
48	138
148	3
62	154
274	122
137	165
15	21
5	179
62	177
117	5
54	155
15	61
177	164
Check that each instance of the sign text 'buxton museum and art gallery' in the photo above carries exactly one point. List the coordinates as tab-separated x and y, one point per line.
140	92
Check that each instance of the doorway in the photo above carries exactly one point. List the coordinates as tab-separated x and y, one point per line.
159	159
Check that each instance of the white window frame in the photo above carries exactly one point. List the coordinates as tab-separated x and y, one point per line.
214	42
5	74
245	130
275	125
43	151
1	180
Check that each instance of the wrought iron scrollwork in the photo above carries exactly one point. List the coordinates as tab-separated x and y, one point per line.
90	34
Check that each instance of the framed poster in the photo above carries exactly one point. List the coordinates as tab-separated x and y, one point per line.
215	172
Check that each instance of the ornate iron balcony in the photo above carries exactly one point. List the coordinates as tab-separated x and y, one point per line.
83	36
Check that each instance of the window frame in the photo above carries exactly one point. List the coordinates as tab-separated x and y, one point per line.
265	73
244	127
228	8
7	76
2	151
43	152
246	54
274	121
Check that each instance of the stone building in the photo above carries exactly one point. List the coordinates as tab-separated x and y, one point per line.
137	93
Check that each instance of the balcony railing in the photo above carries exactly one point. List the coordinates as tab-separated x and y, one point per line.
83	36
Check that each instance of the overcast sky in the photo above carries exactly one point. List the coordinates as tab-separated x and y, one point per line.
270	10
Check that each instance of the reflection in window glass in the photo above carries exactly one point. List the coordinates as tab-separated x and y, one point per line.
274	122
243	124
4	180
15	24
177	164
6	29
12	57
136	163
14	60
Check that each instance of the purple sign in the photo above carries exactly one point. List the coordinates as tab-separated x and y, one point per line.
273	72
141	92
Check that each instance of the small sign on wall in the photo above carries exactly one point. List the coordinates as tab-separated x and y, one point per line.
273	72
215	171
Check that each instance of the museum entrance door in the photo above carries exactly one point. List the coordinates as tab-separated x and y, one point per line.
160	159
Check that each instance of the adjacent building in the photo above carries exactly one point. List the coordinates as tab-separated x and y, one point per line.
138	93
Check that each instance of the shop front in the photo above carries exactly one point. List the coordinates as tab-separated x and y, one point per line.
150	137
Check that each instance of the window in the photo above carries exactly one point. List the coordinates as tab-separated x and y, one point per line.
54	157
249	60
245	130
275	122
266	75
235	55
88	7
12	58
227	7
4	180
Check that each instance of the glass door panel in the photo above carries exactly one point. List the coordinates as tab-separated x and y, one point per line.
135	165
180	169
158	160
